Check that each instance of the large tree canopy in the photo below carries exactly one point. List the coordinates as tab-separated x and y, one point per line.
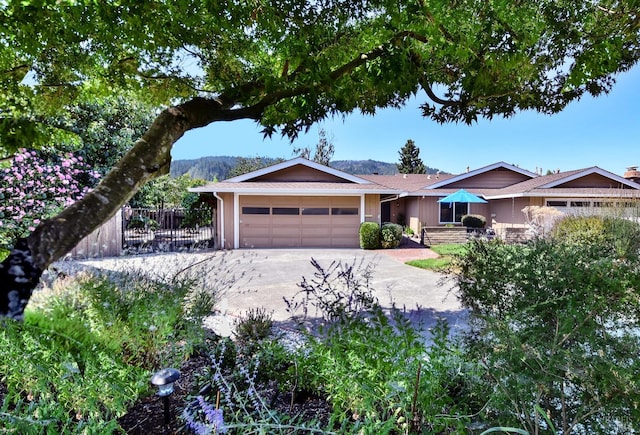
285	64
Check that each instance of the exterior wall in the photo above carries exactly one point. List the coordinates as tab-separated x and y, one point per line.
509	210
593	181
494	179
229	222
372	211
300	173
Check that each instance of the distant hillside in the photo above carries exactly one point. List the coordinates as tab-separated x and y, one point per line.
218	167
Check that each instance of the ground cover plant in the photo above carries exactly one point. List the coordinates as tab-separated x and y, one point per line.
87	347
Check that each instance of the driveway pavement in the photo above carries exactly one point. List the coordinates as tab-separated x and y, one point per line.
262	278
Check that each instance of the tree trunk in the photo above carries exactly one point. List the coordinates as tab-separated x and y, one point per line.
149	158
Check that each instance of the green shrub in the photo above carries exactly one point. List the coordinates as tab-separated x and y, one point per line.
86	348
607	235
254	326
369	235
375	367
390	235
555	326
142	223
474	221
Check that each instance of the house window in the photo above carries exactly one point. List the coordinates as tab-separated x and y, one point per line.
289	211
580	203
556	203
344	211
320	211
452	212
255	210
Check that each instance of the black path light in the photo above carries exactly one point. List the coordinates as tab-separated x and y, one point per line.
164	380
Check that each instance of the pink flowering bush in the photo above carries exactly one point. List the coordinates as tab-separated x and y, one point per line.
32	189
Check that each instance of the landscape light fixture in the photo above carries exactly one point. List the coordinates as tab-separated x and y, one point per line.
164	380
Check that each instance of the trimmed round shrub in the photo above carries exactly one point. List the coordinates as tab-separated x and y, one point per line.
390	235
369	235
474	221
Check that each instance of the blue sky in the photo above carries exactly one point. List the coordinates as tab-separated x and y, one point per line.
603	131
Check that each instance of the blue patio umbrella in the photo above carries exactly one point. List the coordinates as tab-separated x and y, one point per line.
462	196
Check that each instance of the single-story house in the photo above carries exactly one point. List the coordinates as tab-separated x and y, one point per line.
300	203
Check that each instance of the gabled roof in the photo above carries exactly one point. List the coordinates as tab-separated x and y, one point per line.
294	162
265	181
589	171
554	185
475	172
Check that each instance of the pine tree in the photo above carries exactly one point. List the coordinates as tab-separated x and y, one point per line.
410	161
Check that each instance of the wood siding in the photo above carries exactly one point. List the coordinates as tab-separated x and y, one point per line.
106	241
495	179
300	173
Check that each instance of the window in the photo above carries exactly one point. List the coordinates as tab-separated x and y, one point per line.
580	203
344	211
320	211
289	211
255	210
602	204
452	212
556	203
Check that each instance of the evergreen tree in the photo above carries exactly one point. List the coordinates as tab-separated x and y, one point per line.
324	149
410	161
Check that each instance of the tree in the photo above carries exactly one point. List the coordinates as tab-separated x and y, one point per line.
286	64
324	150
410	161
245	165
104	129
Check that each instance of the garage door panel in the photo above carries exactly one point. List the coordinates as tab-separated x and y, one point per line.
321	225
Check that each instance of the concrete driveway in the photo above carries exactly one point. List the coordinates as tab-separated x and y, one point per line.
248	279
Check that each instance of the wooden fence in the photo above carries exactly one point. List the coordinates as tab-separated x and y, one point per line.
106	241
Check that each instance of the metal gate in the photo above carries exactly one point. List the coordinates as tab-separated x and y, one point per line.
167	230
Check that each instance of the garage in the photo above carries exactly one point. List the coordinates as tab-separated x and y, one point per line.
299	221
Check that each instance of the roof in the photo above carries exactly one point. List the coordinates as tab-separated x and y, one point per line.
552	185
301	176
336	182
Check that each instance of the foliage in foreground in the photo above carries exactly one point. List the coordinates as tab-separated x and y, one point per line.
556	328
371	366
87	347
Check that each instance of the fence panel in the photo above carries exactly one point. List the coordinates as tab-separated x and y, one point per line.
106	241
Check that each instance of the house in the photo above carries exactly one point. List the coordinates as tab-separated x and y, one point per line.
296	203
300	203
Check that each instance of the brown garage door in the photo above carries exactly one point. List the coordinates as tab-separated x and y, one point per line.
299	222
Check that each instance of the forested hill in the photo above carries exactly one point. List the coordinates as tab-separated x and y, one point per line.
218	167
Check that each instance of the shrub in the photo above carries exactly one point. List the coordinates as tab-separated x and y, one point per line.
86	349
555	326
254	326
369	235
474	221
374	366
140	222
607	235
390	235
